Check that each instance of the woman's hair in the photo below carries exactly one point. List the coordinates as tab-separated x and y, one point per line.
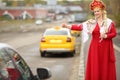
100	4
105	20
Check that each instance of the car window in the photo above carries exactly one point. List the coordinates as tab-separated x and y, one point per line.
56	32
4	65
17	58
21	64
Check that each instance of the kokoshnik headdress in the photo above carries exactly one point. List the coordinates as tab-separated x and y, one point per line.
97	3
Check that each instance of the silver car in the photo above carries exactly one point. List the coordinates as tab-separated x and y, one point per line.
13	66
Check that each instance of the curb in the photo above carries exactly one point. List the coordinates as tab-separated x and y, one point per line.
81	64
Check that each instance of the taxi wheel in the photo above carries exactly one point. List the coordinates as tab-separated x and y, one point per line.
42	54
72	53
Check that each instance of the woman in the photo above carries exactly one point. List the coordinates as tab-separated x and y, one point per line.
101	58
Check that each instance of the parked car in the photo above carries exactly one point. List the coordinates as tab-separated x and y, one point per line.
48	19
14	67
38	22
57	40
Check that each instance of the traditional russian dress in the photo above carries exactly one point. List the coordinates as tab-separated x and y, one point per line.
101	58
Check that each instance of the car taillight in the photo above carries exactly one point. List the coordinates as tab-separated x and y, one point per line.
68	39
42	39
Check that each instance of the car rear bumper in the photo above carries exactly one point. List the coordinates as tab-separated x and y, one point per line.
57	47
56	50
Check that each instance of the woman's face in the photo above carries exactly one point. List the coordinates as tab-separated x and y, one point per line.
98	13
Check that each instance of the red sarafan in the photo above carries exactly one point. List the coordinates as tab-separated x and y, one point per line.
101	58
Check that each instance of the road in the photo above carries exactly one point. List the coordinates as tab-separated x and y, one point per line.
62	67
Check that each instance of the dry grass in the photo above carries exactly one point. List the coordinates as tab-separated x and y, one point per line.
6	23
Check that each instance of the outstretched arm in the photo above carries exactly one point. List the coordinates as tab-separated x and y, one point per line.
77	27
73	27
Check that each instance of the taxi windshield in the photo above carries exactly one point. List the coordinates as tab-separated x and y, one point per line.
56	32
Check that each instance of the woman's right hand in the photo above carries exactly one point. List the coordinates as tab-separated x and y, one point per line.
64	25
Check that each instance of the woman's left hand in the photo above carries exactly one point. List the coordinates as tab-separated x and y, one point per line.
103	35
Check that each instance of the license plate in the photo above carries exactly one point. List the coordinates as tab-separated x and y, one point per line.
55	41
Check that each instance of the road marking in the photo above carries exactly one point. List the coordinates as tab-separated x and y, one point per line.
116	47
51	61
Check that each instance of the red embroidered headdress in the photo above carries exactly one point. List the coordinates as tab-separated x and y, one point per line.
97	3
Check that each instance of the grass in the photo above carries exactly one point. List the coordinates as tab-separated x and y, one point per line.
5	23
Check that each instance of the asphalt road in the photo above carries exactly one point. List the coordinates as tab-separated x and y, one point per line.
28	46
26	41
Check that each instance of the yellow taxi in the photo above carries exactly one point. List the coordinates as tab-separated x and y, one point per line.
75	33
57	40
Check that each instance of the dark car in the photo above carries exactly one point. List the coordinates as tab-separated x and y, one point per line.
14	67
